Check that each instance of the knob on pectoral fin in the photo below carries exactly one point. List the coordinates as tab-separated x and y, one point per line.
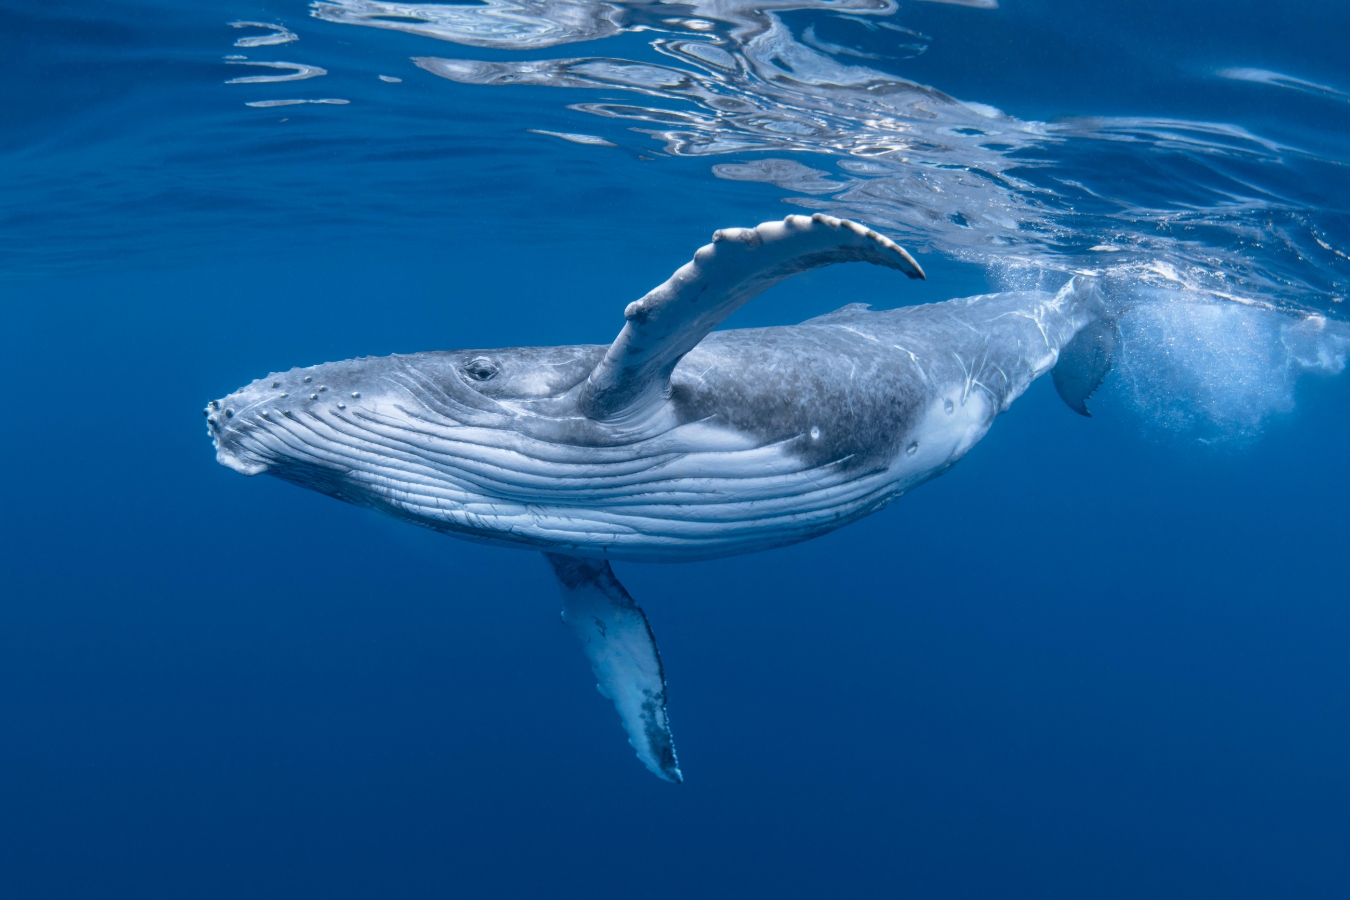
619	644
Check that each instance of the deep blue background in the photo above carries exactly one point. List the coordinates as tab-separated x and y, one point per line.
1086	662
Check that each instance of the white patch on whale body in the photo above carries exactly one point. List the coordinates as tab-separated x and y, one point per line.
945	432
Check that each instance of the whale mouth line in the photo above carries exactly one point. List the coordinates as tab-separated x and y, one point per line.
230	461
228	457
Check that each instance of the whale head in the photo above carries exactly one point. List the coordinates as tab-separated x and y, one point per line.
372	430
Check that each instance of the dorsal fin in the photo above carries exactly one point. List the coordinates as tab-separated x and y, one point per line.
739	264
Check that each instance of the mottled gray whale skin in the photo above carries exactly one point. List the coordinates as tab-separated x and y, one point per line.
674	443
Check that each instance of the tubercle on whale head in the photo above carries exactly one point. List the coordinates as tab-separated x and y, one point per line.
247	427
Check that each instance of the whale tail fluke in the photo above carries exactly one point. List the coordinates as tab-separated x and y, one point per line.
622	650
1086	360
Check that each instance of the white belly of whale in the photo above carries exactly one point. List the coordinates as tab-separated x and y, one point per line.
694	491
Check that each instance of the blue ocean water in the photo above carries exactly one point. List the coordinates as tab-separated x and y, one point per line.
1102	657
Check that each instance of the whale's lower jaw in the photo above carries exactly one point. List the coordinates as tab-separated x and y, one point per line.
232	450
242	466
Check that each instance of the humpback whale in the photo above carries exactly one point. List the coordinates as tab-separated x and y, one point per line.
676	441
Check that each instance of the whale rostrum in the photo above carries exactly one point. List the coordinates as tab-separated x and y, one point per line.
675	442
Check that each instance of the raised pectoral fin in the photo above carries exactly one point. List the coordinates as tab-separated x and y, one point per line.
740	263
619	644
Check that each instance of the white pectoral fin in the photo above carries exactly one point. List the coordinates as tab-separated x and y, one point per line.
619	644
740	263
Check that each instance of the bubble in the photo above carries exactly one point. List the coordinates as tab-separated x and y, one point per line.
1218	370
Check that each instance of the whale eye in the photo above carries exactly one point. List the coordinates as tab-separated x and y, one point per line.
480	368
